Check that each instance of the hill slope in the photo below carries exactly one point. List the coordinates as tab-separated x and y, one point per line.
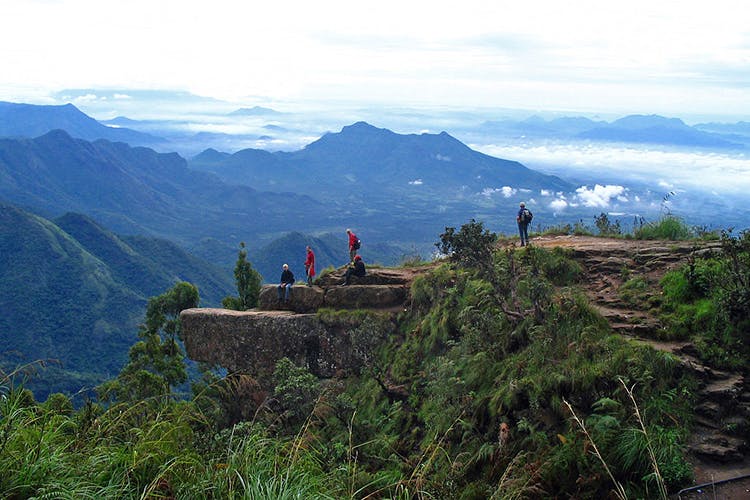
72	291
139	191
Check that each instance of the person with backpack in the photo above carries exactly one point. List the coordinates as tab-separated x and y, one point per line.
354	245
524	219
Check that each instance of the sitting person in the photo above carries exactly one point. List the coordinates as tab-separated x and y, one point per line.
357	270
286	282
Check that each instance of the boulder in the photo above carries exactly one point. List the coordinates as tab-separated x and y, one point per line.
303	299
365	296
374	276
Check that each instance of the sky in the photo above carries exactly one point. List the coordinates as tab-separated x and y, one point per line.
677	58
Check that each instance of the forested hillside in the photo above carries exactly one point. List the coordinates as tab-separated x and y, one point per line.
72	294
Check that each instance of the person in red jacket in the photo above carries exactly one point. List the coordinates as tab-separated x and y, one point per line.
310	266
353	245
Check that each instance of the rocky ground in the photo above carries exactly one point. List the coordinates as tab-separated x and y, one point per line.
716	447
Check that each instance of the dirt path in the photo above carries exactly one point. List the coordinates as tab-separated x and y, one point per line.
622	281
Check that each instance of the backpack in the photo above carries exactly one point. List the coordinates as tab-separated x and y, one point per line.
357	245
526	215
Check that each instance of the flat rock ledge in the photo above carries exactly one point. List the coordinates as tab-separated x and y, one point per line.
253	341
306	299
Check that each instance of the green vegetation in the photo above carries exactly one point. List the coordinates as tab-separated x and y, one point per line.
668	227
72	293
708	300
248	282
493	338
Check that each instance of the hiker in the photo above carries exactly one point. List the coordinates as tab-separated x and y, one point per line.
286	282
310	266
524	219
358	269
354	244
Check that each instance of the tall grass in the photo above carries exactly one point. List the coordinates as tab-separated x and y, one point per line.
668	227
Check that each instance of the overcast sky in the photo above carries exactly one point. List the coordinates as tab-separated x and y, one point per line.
677	58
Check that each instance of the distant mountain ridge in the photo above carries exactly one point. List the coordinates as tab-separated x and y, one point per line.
139	191
30	120
656	129
255	111
637	129
362	161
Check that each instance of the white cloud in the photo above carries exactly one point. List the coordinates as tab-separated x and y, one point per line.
665	168
579	55
558	205
416	182
600	196
440	157
505	191
83	99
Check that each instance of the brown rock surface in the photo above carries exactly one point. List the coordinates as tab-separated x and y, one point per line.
253	341
303	299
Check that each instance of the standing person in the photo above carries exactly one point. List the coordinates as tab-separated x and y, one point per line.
354	244
357	270
286	282
310	266
524	219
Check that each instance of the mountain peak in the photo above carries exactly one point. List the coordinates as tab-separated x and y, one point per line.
254	111
645	121
361	126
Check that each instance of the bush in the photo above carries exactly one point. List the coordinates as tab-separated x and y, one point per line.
607	227
668	227
470	247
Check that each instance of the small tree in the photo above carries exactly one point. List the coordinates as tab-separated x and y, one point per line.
471	246
156	362
607	227
248	282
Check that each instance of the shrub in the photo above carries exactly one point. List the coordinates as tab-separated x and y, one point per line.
471	246
668	227
607	227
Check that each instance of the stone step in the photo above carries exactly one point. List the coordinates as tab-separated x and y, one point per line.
724	390
719	447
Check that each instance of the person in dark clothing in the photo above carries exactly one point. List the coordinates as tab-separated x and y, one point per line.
286	283
523	218
358	269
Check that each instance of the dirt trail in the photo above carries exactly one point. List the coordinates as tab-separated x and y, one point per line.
717	448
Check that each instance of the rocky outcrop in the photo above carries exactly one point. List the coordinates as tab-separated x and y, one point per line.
336	343
253	341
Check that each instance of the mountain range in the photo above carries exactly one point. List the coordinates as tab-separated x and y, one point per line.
362	164
138	191
635	129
